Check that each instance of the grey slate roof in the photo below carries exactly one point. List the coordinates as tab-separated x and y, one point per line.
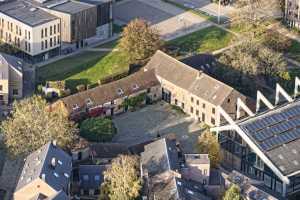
174	188
26	13
7	61
276	132
38	165
188	78
160	156
91	176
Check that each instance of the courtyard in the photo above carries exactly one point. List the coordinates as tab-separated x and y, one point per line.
153	120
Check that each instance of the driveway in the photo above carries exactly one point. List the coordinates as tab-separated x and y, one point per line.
171	21
153	120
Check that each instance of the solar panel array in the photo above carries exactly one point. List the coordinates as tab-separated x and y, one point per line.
276	129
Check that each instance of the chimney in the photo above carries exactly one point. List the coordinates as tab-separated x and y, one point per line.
44	177
53	162
54	143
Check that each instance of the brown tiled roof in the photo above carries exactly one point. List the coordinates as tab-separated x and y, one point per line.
188	78
109	92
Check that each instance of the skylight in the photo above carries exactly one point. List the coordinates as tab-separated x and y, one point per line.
120	91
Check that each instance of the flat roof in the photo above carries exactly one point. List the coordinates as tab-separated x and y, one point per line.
277	133
65	6
26	13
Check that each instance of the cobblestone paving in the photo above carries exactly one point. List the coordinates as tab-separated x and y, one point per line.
147	123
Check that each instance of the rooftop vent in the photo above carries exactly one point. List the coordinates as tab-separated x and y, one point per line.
66	175
44	177
54	143
135	87
53	162
75	107
88	102
56	174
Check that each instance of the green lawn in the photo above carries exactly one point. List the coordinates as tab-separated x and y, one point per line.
294	51
205	40
84	68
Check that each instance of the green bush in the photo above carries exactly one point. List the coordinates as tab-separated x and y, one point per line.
97	129
134	102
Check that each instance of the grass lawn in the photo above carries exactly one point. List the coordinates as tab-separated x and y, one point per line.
294	51
85	68
205	40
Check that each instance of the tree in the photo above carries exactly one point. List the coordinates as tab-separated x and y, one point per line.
276	41
252	58
253	15
139	41
121	180
97	129
233	193
208	144
31	125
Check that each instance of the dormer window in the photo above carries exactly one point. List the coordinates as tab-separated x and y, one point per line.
75	107
120	92
135	87
56	174
89	102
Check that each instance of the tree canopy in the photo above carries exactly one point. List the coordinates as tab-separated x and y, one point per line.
139	40
121	181
31	125
208	144
233	193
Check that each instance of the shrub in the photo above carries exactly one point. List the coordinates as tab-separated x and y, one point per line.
97	129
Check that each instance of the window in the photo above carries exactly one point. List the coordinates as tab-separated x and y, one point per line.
29	47
46	32
203	105
85	177
46	44
205	172
176	102
1	87
213	121
197	102
54	41
42	33
42	45
204	181
203	117
25	34
15	92
58	39
25	45
197	112
58	28
50	30
182	105
192	109
51	43
54	29
213	110
1	97
228	100
192	99
28	35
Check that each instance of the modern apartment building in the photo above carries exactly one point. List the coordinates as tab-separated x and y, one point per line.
292	12
195	92
35	32
265	145
11	78
40	28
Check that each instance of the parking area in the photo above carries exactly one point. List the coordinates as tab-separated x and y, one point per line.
170	21
158	119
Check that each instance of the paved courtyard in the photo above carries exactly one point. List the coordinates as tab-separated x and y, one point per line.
146	123
171	21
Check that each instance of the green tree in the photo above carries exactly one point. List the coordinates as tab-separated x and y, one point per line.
121	181
233	193
97	129
208	144
139	40
31	125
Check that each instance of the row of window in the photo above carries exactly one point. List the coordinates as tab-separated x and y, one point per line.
213	110
18	29
15	91
52	30
52	42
